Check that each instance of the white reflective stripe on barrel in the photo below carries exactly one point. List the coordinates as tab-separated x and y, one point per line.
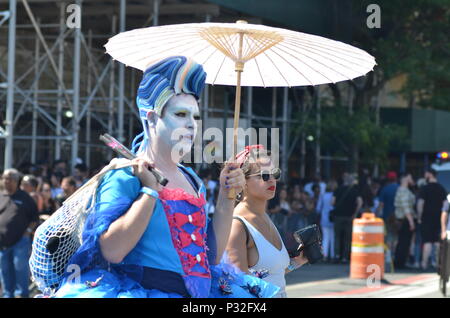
368	249
368	229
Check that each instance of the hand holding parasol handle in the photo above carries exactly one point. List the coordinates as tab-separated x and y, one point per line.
115	145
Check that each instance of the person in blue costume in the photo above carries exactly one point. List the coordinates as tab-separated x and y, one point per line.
144	240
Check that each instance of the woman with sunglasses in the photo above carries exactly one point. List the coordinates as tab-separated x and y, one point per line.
255	245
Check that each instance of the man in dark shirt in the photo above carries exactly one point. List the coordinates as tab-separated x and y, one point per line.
386	210
429	207
347	202
18	217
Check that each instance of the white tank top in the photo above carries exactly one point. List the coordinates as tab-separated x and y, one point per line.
270	258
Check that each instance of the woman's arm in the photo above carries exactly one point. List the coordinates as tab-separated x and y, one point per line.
124	233
237	246
444	219
296	262
223	216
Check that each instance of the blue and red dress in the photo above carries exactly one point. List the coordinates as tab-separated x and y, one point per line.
175	256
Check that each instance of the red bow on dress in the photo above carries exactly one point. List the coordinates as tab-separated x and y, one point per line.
194	260
196	219
187	239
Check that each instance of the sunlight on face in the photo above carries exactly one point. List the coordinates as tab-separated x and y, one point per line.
256	186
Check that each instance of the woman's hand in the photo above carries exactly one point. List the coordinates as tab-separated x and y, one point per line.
232	176
141	170
301	259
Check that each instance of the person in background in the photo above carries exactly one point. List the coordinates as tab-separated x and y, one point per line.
56	179
432	198
323	208
404	212
365	191
316	195
278	211
81	174
375	188
30	185
211	191
316	180
61	167
18	219
50	205
69	186
346	202
297	192
303	215
445	222
386	209
44	169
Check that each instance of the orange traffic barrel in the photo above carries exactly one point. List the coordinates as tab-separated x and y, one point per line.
367	255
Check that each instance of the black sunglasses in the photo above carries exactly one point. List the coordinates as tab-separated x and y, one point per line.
265	174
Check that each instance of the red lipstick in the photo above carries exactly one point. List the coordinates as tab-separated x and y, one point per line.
272	188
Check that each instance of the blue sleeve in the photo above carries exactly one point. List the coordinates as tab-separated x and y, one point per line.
115	194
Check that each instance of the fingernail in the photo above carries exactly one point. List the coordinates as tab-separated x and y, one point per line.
226	182
227	177
227	186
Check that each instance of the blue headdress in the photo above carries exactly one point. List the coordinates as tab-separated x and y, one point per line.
161	81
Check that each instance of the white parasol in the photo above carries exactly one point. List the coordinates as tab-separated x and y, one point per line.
242	54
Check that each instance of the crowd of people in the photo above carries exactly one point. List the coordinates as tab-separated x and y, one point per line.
415	214
28	196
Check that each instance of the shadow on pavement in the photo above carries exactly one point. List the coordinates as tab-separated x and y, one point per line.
318	272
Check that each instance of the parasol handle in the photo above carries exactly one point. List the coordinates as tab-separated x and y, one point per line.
239	67
232	193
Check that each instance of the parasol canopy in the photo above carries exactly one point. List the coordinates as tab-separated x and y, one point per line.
273	57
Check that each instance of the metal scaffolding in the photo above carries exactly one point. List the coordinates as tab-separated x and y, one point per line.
58	88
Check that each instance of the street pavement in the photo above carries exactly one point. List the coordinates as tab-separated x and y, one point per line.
333	281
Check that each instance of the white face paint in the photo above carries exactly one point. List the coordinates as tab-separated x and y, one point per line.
177	128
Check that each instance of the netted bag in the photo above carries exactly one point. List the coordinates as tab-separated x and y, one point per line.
60	236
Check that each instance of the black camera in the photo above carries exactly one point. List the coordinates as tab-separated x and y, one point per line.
310	242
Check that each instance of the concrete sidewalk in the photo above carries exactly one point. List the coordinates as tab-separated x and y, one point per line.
333	281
